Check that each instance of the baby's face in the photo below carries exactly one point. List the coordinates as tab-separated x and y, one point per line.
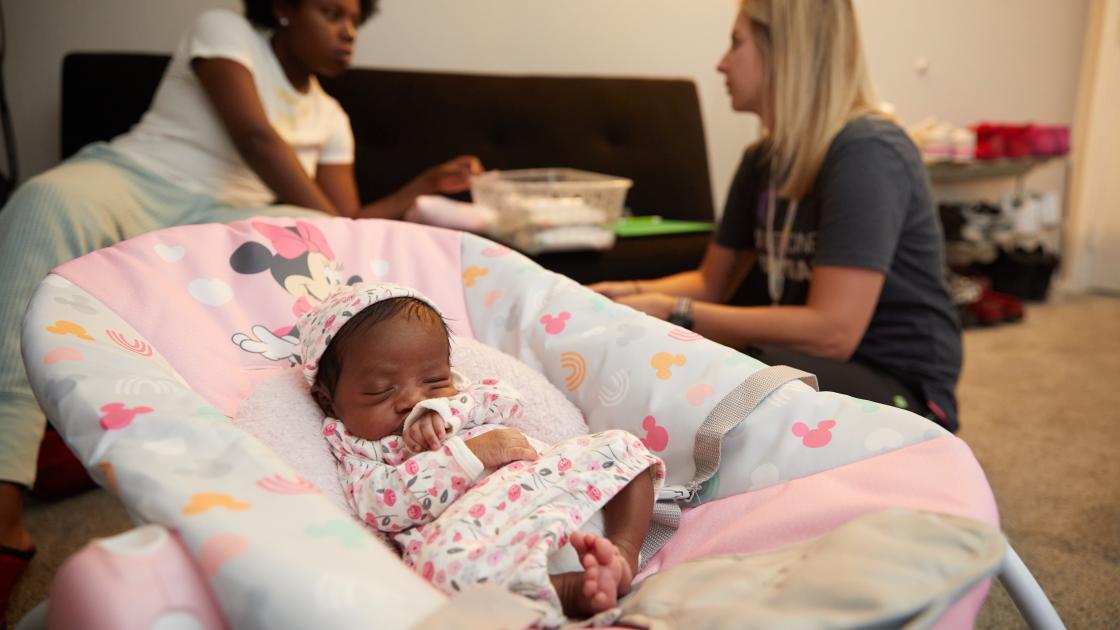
386	370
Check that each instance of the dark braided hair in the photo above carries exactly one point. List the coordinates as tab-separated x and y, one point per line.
259	12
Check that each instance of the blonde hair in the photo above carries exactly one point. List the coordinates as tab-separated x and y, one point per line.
816	82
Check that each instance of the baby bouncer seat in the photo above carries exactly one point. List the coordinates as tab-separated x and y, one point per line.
141	353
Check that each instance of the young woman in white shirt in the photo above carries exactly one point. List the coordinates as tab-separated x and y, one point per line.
239	127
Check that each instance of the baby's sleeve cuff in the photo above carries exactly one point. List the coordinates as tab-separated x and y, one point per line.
438	405
471	465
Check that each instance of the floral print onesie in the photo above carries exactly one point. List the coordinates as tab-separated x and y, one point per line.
458	524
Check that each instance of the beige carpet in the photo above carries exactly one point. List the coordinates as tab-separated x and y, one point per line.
1040	405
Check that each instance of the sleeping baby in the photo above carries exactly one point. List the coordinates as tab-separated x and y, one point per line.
423	455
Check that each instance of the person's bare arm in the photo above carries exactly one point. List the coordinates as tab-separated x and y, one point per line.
337	181
230	88
830	324
449	178
720	272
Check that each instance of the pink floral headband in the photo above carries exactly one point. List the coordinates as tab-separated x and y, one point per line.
318	326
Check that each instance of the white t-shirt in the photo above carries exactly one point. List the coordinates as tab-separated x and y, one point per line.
182	139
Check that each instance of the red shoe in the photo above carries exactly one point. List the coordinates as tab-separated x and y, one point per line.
13	562
994	308
60	474
1011	306
990	141
986	311
1016	140
1048	140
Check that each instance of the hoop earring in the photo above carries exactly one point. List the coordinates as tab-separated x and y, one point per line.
283	21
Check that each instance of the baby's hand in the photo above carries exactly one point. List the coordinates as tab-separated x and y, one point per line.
500	447
426	434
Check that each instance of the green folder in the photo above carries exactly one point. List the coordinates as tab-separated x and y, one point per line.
656	226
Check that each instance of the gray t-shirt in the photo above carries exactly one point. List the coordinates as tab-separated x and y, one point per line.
870	207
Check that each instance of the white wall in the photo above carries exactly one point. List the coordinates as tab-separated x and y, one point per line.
989	59
41	32
996	60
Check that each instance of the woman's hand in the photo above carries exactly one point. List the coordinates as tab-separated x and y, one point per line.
629	292
658	305
426	434
616	289
451	177
448	178
501	446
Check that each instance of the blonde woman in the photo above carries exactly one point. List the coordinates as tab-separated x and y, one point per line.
829	255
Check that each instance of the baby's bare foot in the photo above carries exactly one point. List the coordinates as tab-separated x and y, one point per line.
606	573
630	560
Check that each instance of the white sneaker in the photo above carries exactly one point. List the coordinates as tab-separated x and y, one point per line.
1028	223
963	141
1050	209
932	138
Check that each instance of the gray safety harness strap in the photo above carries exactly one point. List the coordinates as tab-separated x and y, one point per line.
725	416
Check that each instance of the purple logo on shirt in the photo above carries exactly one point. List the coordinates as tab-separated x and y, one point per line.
763	203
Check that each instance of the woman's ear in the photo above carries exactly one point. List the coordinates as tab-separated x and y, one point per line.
322	398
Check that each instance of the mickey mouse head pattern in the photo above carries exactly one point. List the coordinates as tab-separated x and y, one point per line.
555	325
117	416
814	438
657	437
63	327
663	363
